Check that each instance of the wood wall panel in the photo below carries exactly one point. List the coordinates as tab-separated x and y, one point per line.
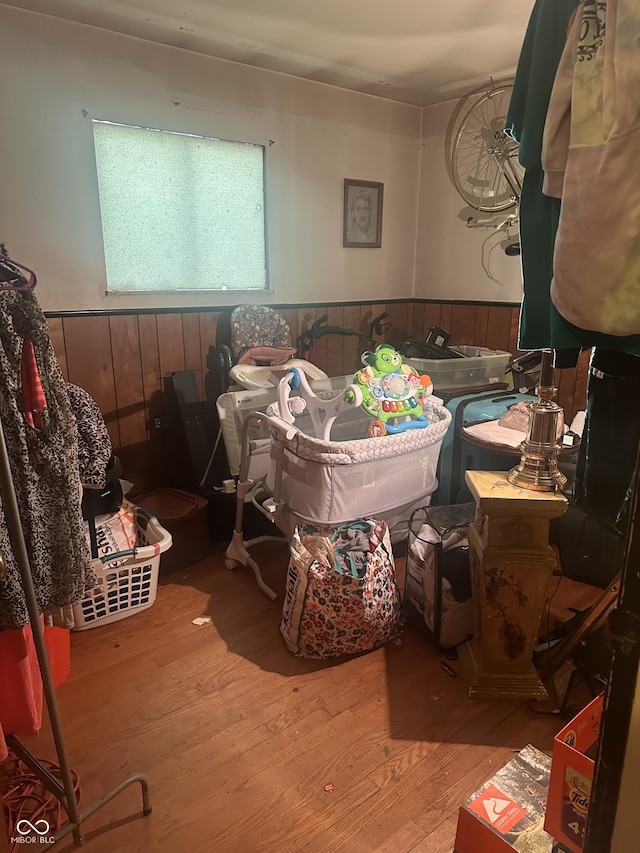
581	376
463	320
566	383
154	401
291	318
208	322
446	316
123	359
321	345
335	353
398	317
499	328
572	386
305	318
418	331
481	325
351	344
369	313
193	348
432	312
90	365
133	450
513	334
170	343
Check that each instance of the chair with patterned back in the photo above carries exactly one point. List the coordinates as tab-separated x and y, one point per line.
260	349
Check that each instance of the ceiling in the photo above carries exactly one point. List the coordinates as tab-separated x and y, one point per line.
416	51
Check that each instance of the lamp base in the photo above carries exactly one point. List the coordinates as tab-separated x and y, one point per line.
538	469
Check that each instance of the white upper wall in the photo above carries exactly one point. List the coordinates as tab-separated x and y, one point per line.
453	261
57	75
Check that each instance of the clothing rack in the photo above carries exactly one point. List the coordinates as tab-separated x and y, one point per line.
64	793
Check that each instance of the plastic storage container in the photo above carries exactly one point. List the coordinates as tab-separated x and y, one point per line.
131	585
480	366
184	514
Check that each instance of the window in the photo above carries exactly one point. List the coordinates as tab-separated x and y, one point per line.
180	212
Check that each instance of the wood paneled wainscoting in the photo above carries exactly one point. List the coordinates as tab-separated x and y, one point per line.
122	358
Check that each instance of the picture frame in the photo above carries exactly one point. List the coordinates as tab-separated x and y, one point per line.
362	218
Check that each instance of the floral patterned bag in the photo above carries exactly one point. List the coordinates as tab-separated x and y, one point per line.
341	596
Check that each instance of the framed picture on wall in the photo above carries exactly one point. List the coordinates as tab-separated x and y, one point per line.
362	225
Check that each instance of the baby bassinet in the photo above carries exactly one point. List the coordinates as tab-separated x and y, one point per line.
331	482
328	482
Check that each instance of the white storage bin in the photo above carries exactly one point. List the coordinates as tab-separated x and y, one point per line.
480	366
129	587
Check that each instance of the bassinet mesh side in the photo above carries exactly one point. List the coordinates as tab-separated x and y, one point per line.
234	407
327	482
348	452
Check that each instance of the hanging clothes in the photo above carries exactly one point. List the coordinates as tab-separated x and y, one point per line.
33	400
540	112
607	454
94	442
20	686
590	157
44	468
591	535
541	326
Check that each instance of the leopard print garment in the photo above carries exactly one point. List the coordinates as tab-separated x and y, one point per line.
44	467
94	443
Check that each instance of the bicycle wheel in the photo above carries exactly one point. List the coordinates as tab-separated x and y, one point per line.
484	160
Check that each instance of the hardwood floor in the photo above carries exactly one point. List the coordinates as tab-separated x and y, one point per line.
239	738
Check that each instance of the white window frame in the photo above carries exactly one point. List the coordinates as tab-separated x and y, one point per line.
120	215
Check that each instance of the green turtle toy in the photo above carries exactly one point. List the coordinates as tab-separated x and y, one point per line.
392	392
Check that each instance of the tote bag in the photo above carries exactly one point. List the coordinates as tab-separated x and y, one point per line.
341	596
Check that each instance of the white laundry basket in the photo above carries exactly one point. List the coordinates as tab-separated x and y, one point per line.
131	584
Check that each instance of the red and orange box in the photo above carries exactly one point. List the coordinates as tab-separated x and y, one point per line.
571	777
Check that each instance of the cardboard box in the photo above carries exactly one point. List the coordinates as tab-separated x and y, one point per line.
571	777
507	812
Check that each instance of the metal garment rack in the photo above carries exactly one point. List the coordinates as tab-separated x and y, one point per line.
64	793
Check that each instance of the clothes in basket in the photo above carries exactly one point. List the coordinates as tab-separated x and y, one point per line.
115	532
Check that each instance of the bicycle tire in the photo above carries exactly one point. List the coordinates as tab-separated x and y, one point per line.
479	147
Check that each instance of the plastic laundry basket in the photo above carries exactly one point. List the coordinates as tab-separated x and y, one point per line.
127	580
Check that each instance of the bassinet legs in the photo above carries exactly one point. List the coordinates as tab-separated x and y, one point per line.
237	553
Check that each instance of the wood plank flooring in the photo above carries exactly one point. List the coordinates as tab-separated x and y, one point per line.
239	738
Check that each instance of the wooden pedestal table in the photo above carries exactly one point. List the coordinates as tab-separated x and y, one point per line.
511	563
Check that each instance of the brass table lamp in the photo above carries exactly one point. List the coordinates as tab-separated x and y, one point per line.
538	466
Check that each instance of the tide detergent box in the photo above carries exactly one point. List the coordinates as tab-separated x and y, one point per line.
572	772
